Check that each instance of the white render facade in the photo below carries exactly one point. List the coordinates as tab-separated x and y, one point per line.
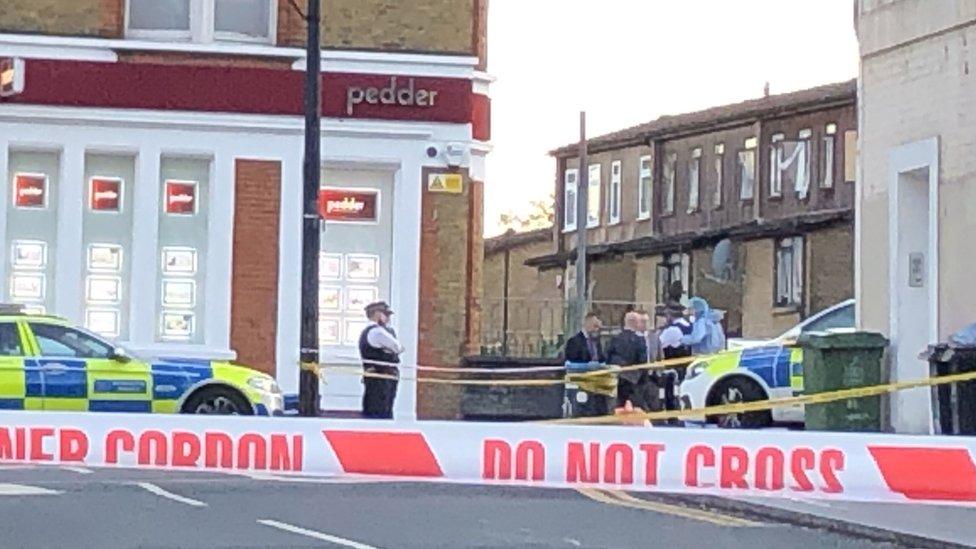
916	203
149	148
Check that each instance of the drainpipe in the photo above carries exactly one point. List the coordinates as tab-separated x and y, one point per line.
505	304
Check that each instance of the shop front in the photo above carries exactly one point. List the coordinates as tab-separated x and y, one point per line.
160	204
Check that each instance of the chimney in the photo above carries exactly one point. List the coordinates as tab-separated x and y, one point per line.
766	90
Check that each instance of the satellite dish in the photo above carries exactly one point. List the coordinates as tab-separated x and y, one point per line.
722	260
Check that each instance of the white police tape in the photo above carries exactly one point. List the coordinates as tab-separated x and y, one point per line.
805	465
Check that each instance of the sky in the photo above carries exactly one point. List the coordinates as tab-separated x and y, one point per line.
629	61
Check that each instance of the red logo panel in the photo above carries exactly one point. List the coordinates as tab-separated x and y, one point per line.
30	191
181	197
105	195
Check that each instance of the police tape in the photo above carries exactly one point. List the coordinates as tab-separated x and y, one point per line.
762	405
320	370
805	465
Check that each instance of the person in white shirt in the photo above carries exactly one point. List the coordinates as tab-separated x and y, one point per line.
380	352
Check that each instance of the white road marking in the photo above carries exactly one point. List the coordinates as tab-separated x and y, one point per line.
314	480
24	490
152	488
79	470
315	535
573	542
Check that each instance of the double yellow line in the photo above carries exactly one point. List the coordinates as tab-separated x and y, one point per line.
620	498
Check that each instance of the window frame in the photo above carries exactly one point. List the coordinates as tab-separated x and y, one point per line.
718	165
614	194
828	166
594	198
570	206
203	27
669	263
670	177
644	192
775	160
748	146
797	243
694	184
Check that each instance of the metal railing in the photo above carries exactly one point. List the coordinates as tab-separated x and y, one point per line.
526	327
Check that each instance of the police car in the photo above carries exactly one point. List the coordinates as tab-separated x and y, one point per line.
46	363
746	375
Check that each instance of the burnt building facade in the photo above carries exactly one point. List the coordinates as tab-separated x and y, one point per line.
747	205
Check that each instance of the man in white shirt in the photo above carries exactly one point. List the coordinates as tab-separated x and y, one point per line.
380	352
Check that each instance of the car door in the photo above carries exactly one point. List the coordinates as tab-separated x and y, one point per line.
20	387
80	372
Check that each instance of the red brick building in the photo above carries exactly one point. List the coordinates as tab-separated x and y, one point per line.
152	152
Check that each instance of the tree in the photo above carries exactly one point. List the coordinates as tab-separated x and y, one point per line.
540	214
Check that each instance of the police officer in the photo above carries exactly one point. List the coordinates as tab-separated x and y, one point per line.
380	352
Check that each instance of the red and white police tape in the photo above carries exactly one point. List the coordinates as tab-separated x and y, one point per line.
798	465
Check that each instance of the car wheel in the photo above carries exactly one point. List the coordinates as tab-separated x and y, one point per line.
220	401
737	390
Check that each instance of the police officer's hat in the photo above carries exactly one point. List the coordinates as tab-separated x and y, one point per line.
379	306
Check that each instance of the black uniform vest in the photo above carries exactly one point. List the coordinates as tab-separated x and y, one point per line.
368	352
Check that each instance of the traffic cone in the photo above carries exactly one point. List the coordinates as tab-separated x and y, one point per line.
628	410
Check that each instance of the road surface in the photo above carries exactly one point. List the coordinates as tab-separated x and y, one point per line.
77	507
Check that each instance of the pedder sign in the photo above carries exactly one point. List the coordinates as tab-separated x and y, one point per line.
394	95
349	205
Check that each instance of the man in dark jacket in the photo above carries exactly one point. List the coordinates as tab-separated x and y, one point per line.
628	348
585	346
380	352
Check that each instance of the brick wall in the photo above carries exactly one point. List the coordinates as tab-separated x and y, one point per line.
204	60
449	285
433	26
427	26
759	319
96	18
831	274
254	298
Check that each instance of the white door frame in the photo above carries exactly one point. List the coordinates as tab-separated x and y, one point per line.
923	154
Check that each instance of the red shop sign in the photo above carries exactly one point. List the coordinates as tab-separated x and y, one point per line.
181	197
349	205
30	190
106	194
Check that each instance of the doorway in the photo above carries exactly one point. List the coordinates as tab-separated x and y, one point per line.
355	269
913	284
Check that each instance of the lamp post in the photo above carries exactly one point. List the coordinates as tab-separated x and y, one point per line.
308	383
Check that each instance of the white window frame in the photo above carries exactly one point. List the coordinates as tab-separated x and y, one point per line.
694	180
593	199
806	141
613	197
775	159
202	31
750	145
797	281
670	177
718	193
644	190
569	198
828	156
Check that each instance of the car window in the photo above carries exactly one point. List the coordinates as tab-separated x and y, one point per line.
62	341
841	318
10	344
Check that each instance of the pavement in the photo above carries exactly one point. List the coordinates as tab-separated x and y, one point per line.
115	508
940	524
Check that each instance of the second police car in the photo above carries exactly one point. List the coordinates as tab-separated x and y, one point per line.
758	370
46	363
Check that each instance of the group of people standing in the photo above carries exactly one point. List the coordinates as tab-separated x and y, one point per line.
681	331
